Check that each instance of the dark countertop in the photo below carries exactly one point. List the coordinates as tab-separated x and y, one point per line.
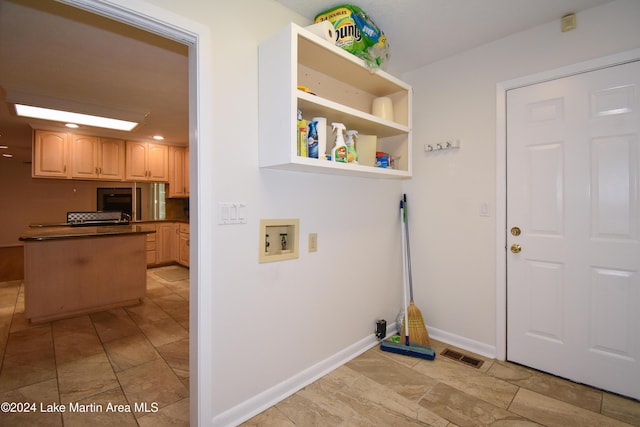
66	232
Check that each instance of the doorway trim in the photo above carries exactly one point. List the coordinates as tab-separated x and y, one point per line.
196	36
501	171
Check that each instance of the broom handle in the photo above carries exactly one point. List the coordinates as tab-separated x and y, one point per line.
404	276
406	227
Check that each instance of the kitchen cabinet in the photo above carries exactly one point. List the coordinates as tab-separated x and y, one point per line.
97	158
51	154
65	155
166	243
170	244
183	244
146	162
341	89
178	172
79	270
150	246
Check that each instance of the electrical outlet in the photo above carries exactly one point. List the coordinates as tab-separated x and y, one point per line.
313	242
484	209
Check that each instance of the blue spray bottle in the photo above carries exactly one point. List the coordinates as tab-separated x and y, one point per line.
312	140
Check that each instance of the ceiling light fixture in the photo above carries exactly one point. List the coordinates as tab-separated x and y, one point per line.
72	125
66	117
158	137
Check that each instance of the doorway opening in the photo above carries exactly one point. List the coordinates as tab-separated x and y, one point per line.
195	37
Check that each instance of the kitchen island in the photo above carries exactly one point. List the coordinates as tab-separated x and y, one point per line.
77	270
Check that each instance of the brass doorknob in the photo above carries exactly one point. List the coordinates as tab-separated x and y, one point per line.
515	231
515	248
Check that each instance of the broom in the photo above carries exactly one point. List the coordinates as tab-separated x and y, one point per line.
408	348
417	330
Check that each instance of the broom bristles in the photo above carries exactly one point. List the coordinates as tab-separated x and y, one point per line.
417	330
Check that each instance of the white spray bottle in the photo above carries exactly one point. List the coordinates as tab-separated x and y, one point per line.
352	155
339	150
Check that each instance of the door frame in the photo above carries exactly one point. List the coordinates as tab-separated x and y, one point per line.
197	37
501	171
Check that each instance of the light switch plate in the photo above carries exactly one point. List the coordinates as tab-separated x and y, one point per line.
232	213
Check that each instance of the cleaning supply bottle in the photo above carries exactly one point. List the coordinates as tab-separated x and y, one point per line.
339	150
321	128
302	135
352	155
312	139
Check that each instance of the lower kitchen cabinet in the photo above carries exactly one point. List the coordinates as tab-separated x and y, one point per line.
169	245
166	243
151	248
183	245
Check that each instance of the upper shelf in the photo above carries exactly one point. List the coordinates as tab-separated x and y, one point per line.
342	90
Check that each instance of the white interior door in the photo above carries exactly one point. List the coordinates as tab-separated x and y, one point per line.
573	190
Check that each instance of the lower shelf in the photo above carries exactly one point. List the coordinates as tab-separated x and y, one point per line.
303	164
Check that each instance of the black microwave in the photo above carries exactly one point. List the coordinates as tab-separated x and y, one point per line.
119	199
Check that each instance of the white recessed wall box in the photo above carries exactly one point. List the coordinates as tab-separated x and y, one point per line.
278	239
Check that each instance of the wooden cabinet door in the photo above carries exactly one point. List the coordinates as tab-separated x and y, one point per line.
111	159
84	156
51	155
136	161
165	242
186	172
158	162
184	249
176	172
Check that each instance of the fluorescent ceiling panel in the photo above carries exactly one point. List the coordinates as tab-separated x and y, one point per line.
69	117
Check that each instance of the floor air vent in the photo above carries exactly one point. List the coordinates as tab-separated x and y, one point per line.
471	361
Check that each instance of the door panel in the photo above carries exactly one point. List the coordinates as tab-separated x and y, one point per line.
573	184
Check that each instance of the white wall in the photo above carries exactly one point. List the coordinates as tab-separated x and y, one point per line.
454	251
262	324
265	323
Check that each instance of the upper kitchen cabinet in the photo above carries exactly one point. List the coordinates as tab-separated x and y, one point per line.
97	158
178	172
51	154
147	162
340	88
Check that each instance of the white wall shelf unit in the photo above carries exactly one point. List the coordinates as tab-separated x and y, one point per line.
343	91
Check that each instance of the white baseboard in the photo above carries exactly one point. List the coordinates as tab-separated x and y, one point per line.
260	402
477	347
457	341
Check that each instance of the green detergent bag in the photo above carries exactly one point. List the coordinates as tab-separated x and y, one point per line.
357	34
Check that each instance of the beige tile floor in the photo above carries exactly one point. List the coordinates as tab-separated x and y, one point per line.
122	367
385	389
140	355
